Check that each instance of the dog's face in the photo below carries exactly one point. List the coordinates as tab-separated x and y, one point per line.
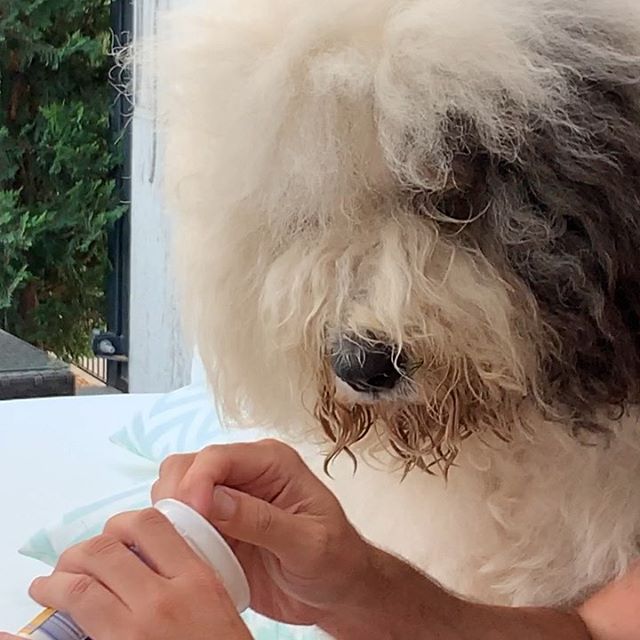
415	215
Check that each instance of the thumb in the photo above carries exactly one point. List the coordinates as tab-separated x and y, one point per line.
249	519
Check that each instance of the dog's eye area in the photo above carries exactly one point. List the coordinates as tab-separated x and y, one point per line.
454	204
462	199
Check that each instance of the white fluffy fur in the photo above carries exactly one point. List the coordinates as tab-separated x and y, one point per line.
291	126
537	522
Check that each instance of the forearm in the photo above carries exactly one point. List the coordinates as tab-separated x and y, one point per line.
399	602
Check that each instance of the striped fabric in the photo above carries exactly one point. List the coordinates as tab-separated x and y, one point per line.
181	421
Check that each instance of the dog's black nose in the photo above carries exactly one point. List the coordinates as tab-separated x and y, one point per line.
367	365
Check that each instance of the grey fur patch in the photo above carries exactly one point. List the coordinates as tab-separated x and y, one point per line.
563	216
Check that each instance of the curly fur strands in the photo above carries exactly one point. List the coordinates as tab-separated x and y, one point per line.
562	215
566	222
427	434
458	176
462	178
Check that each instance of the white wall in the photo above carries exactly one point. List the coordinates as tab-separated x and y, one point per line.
159	359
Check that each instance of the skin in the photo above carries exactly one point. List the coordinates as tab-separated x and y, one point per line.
305	563
614	612
111	594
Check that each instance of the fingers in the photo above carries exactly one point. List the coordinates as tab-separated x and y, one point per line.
113	564
240	466
156	540
92	606
268	470
172	471
249	519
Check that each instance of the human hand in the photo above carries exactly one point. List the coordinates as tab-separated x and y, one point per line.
110	593
614	612
302	556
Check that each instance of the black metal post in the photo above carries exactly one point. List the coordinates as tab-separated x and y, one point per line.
118	285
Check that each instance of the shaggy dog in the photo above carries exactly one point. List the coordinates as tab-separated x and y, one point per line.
413	226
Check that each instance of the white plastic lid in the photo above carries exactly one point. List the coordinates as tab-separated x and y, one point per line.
205	540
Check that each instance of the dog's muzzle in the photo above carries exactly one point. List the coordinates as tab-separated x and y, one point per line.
367	366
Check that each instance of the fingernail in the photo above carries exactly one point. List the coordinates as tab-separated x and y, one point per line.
224	504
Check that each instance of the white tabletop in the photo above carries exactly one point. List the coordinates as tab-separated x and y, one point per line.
55	456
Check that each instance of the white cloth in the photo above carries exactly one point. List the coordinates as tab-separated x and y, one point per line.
55	455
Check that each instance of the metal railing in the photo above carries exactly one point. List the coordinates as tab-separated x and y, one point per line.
95	367
117	373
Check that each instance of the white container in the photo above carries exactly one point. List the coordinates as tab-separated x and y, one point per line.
200	535
210	546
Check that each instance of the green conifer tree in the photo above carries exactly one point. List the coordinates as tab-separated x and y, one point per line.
57	192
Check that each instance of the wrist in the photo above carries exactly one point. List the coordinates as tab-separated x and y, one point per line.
389	600
357	598
350	617
392	600
527	623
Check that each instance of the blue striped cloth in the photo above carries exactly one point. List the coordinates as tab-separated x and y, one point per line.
181	421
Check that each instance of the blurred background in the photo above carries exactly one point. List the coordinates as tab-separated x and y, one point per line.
87	303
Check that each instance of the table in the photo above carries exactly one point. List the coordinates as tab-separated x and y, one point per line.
28	372
55	456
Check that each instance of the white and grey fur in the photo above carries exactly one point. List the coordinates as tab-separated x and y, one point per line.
461	179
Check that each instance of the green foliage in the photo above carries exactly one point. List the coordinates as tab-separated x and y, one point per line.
57	193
